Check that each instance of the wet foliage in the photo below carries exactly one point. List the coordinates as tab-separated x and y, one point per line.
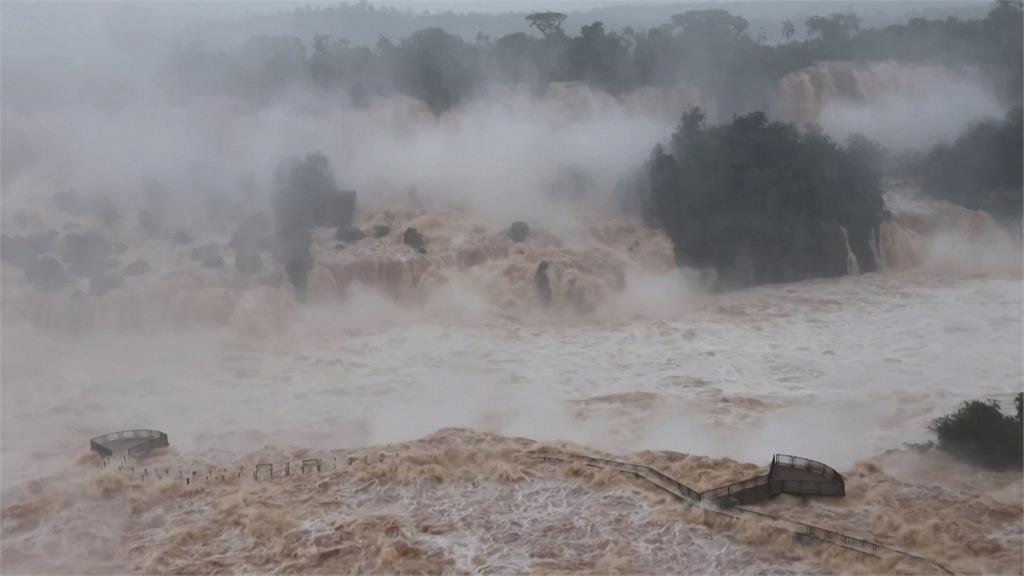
710	49
980	433
306	195
761	201
982	169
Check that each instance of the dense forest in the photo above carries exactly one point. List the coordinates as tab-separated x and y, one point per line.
711	49
362	23
754	199
982	169
761	201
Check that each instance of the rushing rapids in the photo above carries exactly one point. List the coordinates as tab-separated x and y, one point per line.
628	355
898	104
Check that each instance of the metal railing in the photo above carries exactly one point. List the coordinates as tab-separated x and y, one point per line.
744	491
838	538
804	464
148	440
735	487
804	533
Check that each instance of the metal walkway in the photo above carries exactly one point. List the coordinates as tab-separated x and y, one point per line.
787	474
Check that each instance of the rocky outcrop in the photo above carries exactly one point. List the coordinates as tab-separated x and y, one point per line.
87	254
413	239
518	231
46	273
463	252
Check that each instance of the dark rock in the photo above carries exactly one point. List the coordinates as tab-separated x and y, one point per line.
100	285
253	234
46	273
206	252
68	201
306	195
43	241
248	261
180	236
413	239
20	250
216	261
518	231
467	257
349	235
136	268
151	224
87	254
209	255
543	282
380	231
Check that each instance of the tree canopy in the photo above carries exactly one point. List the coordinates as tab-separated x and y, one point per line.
711	49
760	201
547	23
982	169
980	433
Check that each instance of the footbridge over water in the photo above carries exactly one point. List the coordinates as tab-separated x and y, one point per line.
786	475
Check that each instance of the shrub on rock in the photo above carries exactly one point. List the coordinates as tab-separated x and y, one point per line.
306	195
413	239
980	433
518	231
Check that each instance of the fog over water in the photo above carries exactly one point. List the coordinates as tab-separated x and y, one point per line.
430	375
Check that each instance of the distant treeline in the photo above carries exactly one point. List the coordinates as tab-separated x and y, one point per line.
363	23
710	49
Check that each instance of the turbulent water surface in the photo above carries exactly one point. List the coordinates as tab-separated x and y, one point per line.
834	370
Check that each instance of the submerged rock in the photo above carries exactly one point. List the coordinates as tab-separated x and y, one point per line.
542	282
413	239
216	261
206	252
380	231
349	235
181	237
518	231
20	250
100	285
208	255
248	261
136	268
87	254
46	273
